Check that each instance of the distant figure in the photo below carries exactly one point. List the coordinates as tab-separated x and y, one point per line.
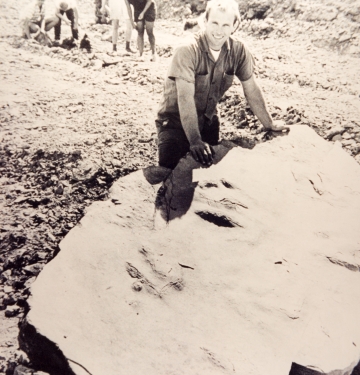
68	7
33	20
144	16
99	16
201	71
119	10
195	24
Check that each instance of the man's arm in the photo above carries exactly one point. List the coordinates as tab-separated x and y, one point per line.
257	104
61	16
201	151
27	28
76	18
104	7
130	14
147	5
42	25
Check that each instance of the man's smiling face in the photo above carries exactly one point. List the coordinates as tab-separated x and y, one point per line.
218	27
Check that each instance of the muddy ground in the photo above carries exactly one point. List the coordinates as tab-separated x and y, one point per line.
71	122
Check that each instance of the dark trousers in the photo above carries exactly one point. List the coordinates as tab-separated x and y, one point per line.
173	144
70	15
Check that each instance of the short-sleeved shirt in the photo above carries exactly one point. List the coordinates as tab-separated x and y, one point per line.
193	62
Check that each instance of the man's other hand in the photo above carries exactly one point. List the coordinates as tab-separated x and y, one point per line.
202	152
278	126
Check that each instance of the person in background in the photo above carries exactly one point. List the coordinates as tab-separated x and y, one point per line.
144	17
99	16
119	10
33	20
68	7
200	73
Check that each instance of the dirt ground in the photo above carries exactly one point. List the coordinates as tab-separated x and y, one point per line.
72	122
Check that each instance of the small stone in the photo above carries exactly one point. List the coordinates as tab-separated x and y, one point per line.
29	282
9	300
59	190
22	370
97	64
20	200
116	163
137	286
7	288
346	135
12	311
355	149
34	269
22	357
334	131
348	142
337	137
106	38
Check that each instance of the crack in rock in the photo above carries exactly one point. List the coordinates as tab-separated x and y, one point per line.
349	266
218	219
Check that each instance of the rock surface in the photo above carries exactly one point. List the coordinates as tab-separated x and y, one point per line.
241	268
63	143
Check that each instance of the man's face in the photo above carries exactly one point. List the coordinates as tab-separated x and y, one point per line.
218	27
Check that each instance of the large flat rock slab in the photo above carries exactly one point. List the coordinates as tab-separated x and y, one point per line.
241	268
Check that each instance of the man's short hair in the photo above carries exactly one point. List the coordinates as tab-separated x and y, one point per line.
64	5
224	5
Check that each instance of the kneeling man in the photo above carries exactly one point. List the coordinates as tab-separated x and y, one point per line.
200	73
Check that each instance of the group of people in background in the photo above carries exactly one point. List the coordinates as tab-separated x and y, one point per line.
136	14
200	72
141	19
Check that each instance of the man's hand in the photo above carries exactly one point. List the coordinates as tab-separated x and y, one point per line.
141	16
202	152
278	126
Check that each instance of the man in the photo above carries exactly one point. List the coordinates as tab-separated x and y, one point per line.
144	16
68	7
119	10
33	20
199	75
99	16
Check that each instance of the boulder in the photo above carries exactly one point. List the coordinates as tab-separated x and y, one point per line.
250	266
